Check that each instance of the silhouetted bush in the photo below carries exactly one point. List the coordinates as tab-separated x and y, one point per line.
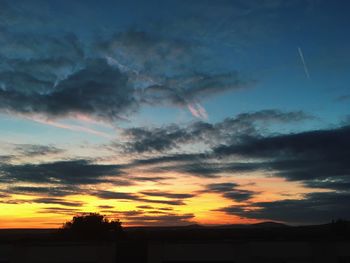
92	226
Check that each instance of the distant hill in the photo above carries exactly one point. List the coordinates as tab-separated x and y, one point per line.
264	231
269	224
262	225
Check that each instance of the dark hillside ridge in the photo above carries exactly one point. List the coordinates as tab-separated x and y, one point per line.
266	231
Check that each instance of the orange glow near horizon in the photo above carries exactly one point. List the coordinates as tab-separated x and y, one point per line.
203	205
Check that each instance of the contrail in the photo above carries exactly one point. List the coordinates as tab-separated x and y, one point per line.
303	61
71	127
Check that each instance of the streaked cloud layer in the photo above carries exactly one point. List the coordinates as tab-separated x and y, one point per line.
193	112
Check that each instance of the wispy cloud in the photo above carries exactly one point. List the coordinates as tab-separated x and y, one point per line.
198	110
71	127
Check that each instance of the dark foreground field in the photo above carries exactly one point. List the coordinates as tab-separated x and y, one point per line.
259	243
267	231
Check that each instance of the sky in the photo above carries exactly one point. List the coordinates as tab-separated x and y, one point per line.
163	113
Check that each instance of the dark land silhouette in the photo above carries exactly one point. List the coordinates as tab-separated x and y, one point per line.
96	227
92	235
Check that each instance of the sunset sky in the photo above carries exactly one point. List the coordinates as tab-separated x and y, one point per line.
174	112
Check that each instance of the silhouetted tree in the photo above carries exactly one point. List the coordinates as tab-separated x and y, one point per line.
92	226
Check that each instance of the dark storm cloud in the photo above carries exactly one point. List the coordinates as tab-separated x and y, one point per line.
239	195
105	206
188	90
308	155
6	198
322	143
197	164
47	71
165	208
57	74
164	159
56	201
150	178
58	210
187	163
72	172
134	197
173	136
147	140
268	115
155	216
221	187
167	195
154	209
34	149
50	72
162	220
317	158
47	191
164	202
58	87
116	195
315	208
163	67
127	214
157	212
13	201
145	207
334	183
202	168
194	168
97	89
230	191
232	210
